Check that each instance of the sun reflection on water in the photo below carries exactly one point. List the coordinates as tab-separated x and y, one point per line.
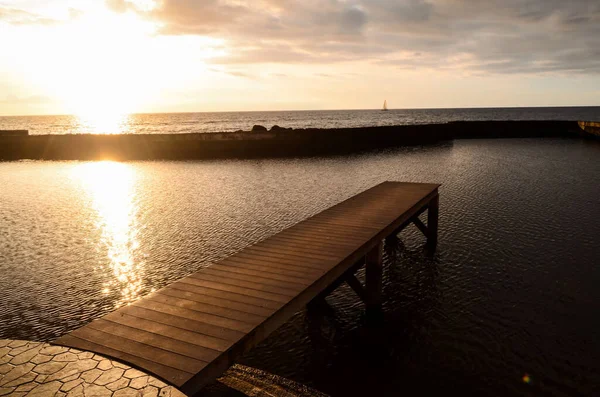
111	189
105	122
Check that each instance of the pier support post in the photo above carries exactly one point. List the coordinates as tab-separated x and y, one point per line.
373	275
432	222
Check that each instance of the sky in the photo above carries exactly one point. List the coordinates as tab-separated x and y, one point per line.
121	56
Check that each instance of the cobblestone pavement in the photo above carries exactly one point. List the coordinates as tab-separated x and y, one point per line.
39	369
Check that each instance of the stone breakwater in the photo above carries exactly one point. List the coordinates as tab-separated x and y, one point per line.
260	142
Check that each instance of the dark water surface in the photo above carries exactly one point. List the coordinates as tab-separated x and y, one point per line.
175	123
512	289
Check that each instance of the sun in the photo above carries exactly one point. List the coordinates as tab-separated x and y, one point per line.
101	67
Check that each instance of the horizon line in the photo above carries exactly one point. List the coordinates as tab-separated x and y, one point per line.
316	110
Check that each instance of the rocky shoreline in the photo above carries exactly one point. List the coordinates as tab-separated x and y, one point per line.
261	142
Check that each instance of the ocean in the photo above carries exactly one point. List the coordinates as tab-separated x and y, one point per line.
175	123
511	290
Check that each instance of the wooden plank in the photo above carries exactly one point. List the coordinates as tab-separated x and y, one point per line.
229	280
232	314
303	265
200	317
169	330
250	293
138	349
270	269
232	296
173	290
307	265
191	331
227	273
166	343
265	275
176	320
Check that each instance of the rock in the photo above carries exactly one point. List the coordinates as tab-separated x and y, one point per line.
259	128
277	128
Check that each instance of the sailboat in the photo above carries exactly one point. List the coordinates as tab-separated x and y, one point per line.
385	109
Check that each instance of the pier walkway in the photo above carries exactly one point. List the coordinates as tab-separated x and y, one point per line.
191	331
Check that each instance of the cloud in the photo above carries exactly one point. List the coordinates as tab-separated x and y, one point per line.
16	16
494	36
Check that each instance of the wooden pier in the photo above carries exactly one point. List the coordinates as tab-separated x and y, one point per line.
191	331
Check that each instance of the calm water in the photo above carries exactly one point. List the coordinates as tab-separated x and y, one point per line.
513	288
233	121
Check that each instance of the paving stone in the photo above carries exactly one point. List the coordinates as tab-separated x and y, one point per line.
16	373
85	355
68	386
19	394
4	391
104	365
17	343
139	383
49	368
4	351
41	378
109	376
170	391
68	356
28	377
127	393
118	384
96	391
22	349
166	392
45	389
150	391
40	359
73	368
70	378
26	356
120	365
27	386
5	342
76	392
91	375
5	368
133	373
53	350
